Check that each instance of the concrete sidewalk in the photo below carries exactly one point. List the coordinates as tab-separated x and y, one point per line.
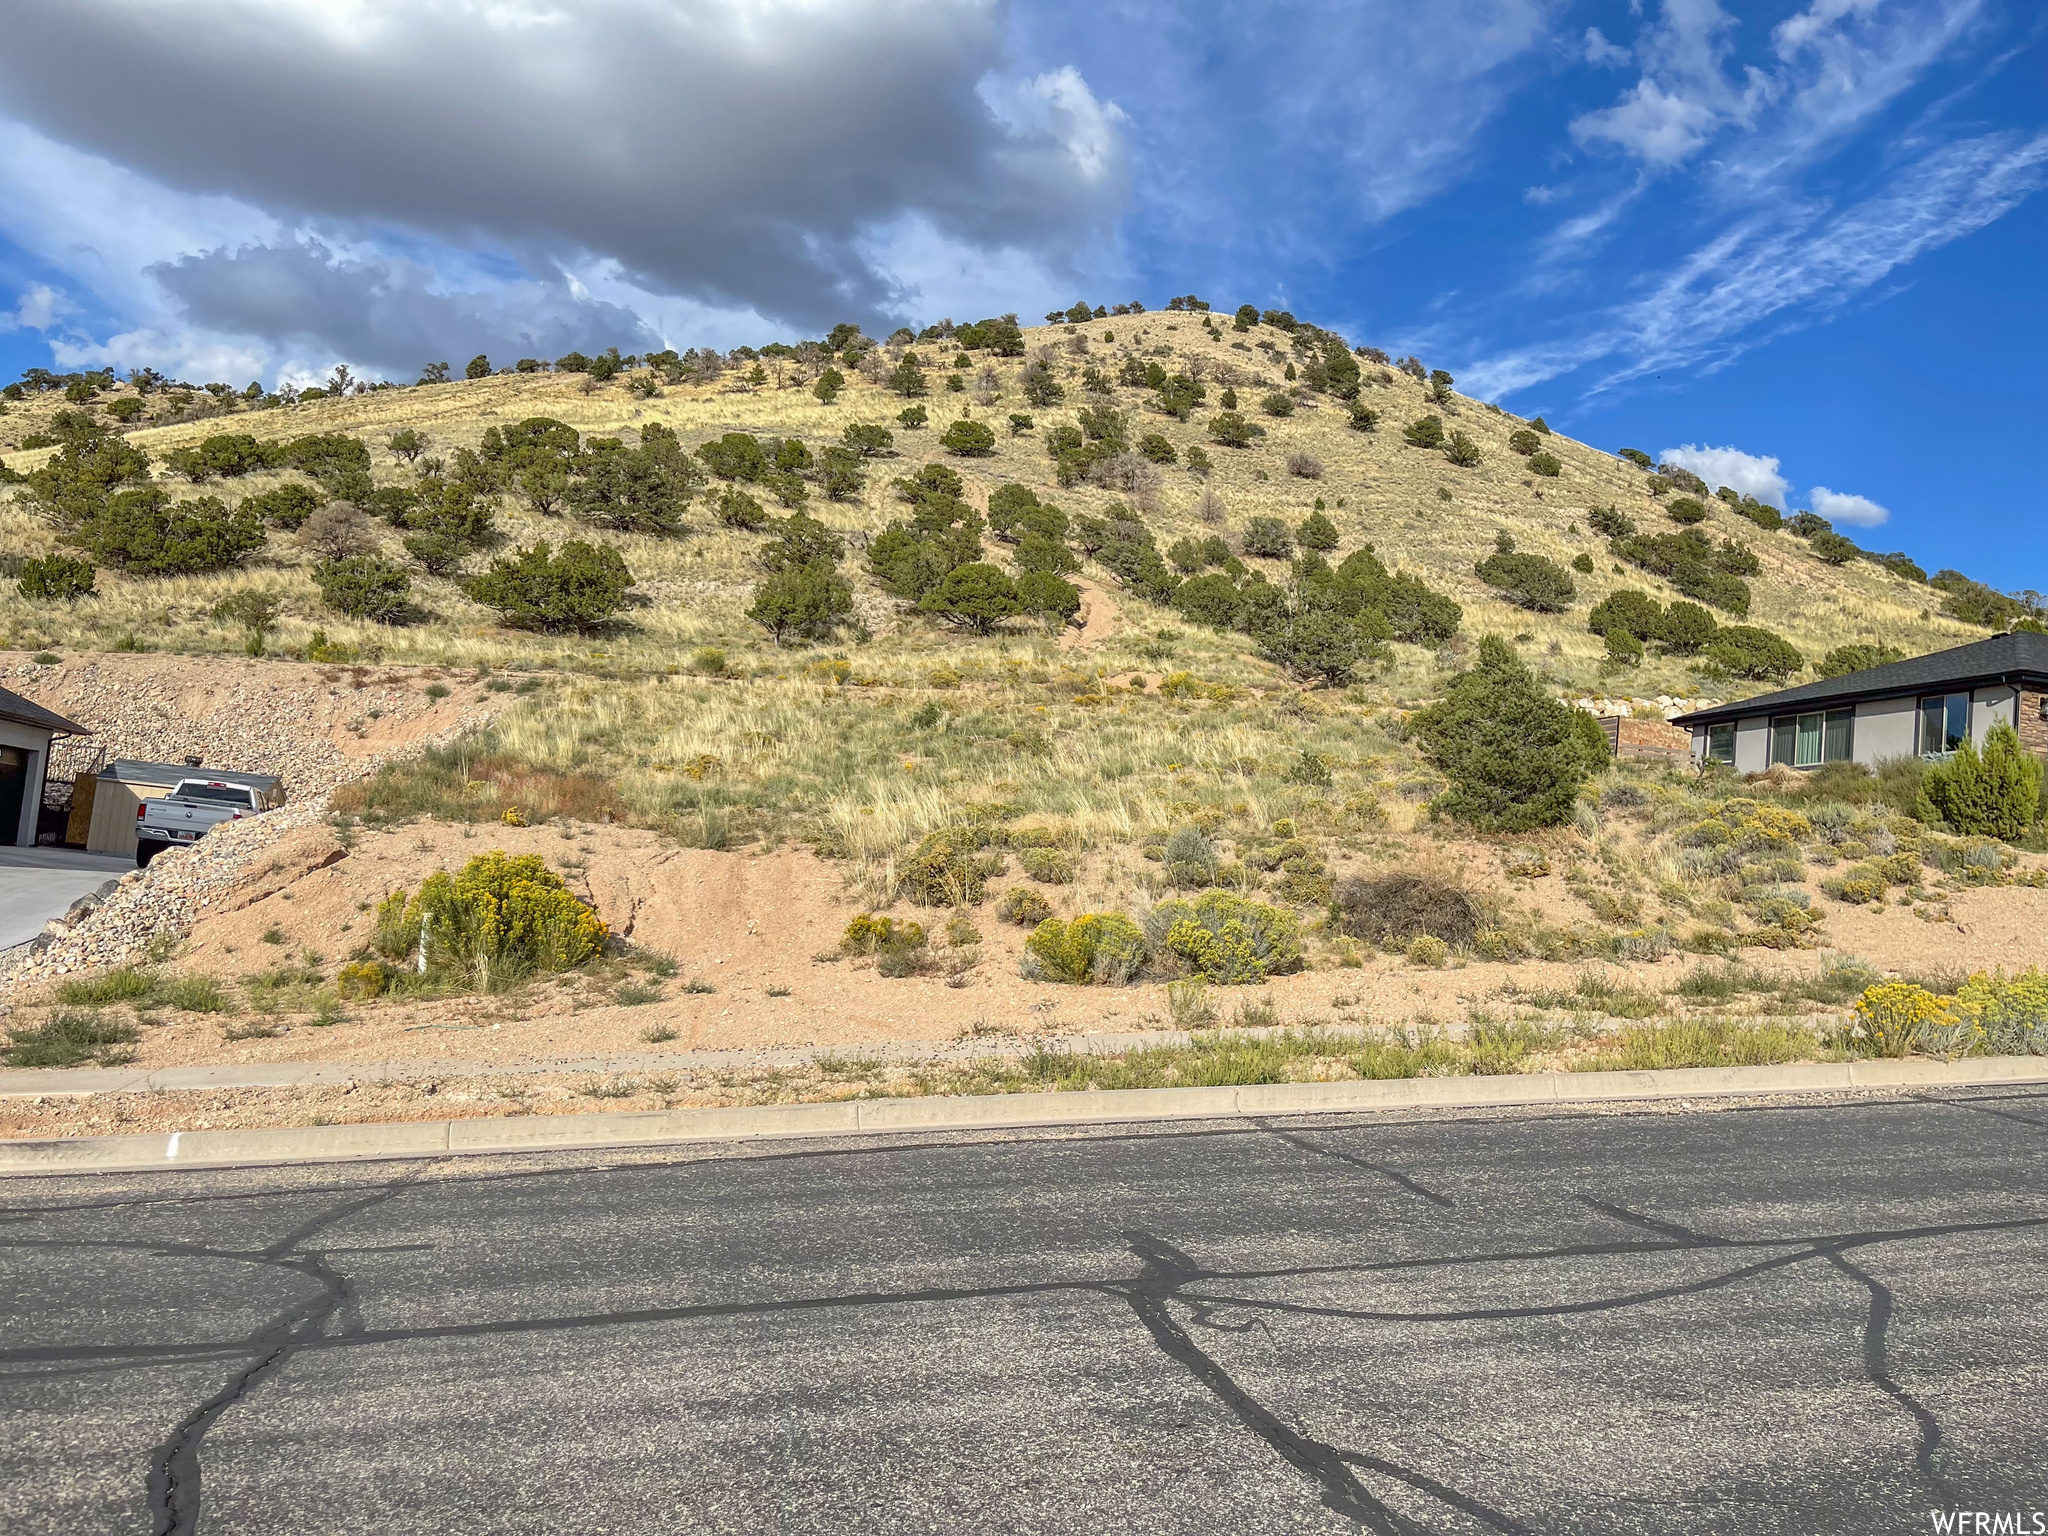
51	1082
526	1133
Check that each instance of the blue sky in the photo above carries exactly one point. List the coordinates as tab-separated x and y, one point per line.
1807	233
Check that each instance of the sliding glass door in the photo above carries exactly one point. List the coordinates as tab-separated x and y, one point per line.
1816	737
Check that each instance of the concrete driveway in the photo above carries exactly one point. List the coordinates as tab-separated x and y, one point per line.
37	884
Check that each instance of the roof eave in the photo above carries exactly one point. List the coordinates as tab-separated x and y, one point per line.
1743	709
49	721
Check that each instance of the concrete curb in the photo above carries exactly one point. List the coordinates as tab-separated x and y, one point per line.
534	1133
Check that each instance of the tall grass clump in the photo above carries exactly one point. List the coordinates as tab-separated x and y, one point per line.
1707	1043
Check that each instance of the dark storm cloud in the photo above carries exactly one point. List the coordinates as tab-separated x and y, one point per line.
382	313
732	151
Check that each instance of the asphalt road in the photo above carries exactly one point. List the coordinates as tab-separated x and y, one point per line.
1765	1319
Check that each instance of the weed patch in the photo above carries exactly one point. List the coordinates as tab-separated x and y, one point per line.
71	1038
1707	1043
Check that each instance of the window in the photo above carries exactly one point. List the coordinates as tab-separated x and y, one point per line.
1808	740
226	794
1841	734
1944	723
1721	743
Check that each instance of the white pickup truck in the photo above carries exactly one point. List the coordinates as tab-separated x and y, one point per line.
189	811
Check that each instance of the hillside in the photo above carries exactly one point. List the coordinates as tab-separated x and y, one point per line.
1420	512
1243	800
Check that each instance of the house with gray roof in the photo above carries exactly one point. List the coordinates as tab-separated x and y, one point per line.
26	729
1925	707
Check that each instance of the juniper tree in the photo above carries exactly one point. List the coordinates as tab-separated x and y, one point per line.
976	597
1317	532
1426	433
1515	756
576	589
802	600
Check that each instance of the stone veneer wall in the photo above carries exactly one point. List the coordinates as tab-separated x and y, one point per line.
2033	728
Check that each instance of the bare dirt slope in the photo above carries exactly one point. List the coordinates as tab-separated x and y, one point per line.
1098	619
762	931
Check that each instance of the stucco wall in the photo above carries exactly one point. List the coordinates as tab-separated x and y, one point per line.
1988	707
1884	728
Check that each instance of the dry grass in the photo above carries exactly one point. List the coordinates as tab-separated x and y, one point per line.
1377	490
717	764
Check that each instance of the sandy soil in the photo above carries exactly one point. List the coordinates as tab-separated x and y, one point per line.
1098	617
748	925
762	931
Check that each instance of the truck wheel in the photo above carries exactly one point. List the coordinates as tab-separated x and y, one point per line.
147	849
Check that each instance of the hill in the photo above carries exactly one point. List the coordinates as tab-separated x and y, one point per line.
1223	720
1420	512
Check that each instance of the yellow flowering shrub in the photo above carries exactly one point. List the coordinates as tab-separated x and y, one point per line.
1225	939
1894	1018
869	935
1750	825
1102	947
360	980
2007	1014
500	918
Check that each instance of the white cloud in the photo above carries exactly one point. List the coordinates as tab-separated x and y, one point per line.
39	309
1056	109
1840	507
1836	63
744	157
1266	130
1749	473
1600	52
1802	261
1786	266
102	224
1842	62
1659	129
1810	26
1683	96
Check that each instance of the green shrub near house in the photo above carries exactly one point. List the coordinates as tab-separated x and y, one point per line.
1996	793
1514	755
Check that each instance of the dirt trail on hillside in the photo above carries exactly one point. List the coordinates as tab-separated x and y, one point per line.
1098	616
